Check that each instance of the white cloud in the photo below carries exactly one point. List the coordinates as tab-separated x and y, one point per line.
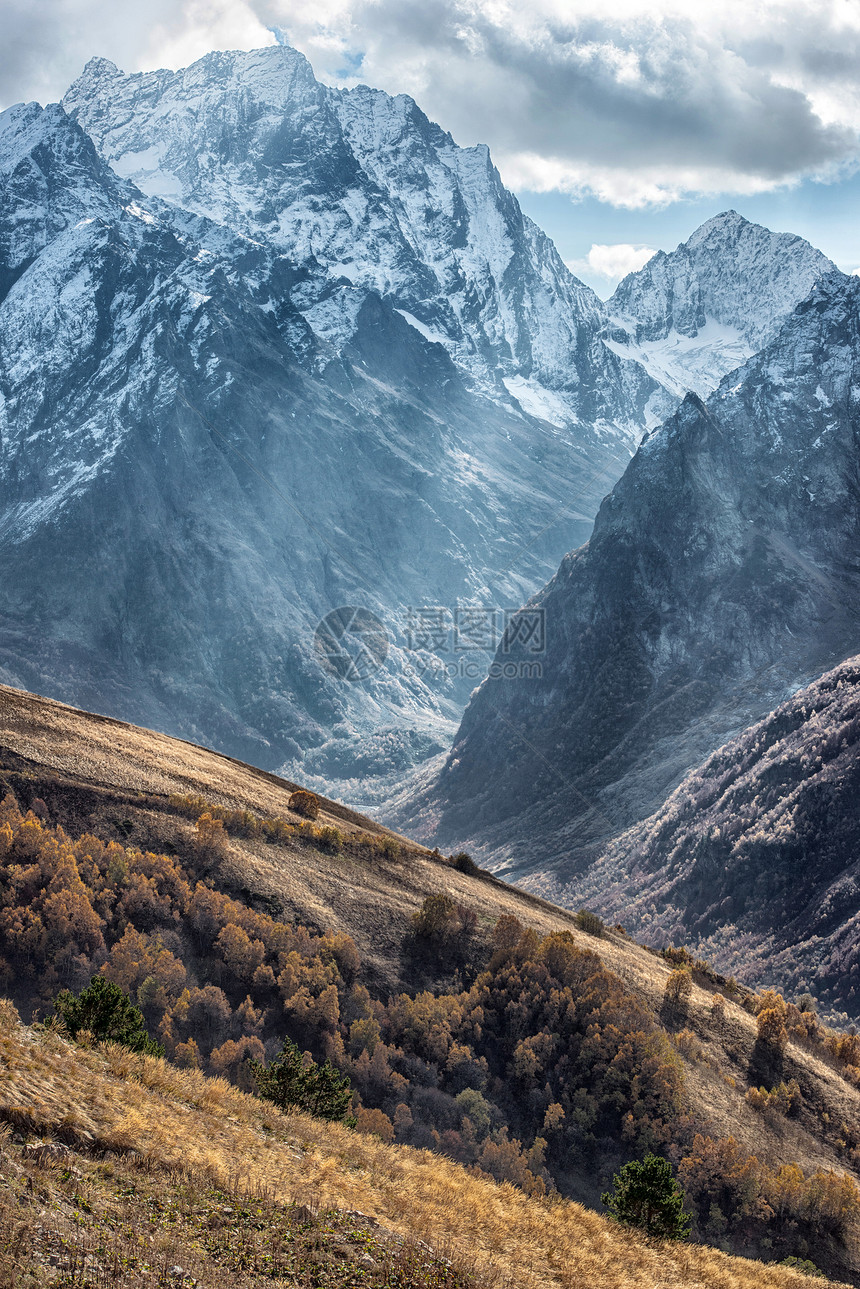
190	30
611	262
638	106
45	46
633	188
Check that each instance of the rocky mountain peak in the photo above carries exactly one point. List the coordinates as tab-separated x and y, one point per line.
365	187
709	278
694	314
98	67
717	229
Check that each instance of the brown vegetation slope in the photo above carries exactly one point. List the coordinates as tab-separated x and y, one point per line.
300	890
123	1170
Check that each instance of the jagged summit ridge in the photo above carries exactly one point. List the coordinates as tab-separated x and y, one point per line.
694	314
367	188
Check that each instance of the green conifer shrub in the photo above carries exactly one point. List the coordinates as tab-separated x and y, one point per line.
646	1195
294	1085
106	1011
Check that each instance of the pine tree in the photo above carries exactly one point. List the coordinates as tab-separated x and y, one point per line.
292	1085
646	1195
106	1011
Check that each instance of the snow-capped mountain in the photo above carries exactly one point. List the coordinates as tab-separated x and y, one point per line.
195	470
269	349
365	188
723	571
692	316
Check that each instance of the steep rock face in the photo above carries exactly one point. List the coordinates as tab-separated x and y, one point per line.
321	360
723	568
753	860
693	315
291	349
367	188
191	476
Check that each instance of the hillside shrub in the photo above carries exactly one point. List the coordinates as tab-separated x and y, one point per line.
305	803
464	863
677	955
387	847
330	839
679	987
803	1264
590	922
442	918
646	1195
107	1013
295	1083
784	1099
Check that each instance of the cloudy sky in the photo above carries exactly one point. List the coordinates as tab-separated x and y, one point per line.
620	134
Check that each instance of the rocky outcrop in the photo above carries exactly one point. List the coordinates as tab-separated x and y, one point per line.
752	862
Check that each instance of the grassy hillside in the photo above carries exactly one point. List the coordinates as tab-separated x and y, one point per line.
532	1045
120	1169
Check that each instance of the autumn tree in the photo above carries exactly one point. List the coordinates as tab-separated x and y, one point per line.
718	1174
375	1123
210	839
231	1060
305	803
718	1011
770	1021
241	954
679	987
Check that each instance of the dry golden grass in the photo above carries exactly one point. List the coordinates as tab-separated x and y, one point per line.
108	1101
100	750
